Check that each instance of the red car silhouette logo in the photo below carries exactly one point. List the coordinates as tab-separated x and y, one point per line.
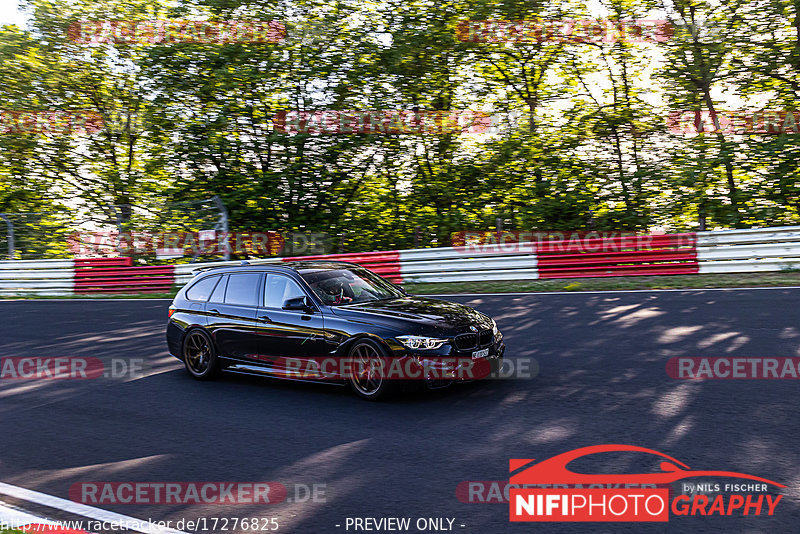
554	470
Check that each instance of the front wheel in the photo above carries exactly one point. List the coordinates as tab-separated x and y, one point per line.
199	355
367	377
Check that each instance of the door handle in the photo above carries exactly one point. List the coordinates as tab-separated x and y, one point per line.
213	312
264	319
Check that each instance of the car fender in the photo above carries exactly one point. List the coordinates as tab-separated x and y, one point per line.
344	347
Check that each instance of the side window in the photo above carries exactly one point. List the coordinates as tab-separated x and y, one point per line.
218	296
280	288
202	289
242	289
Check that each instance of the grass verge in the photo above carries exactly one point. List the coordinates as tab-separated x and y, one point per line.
695	281
169	295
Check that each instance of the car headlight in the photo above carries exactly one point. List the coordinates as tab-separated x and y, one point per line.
420	342
497	336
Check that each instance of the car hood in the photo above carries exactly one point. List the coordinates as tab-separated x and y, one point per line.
436	313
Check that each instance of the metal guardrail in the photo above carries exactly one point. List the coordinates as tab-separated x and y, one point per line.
463	264
751	250
37	277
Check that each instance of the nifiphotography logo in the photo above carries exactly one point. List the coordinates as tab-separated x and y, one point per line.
601	497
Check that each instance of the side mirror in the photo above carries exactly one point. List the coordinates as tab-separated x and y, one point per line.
298	304
402	289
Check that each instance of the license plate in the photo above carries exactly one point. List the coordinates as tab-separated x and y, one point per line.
480	354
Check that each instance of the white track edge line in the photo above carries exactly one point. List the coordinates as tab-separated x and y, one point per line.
11	517
84	510
607	291
760	288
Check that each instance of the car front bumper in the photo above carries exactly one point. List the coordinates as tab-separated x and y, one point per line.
443	371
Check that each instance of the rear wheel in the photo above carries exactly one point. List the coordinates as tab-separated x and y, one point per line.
199	355
367	377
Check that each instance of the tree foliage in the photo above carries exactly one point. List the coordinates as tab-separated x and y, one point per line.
580	136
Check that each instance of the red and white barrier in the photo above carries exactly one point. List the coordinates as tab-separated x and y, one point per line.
619	256
613	256
386	264
752	250
725	251
117	275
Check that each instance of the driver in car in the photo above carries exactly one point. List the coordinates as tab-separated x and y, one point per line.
334	291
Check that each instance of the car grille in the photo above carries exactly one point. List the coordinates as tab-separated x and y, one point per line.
472	341
485	337
466	341
438	383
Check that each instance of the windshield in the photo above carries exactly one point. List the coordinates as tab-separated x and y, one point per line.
336	287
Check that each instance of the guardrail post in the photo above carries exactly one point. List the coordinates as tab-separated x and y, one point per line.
10	235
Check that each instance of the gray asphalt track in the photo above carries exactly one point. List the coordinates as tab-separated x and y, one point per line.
601	379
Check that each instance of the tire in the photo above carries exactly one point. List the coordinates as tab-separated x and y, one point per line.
369	385
199	355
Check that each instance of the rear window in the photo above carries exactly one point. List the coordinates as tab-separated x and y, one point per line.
202	289
218	296
243	289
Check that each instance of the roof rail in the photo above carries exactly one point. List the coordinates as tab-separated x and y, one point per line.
300	260
209	268
242	263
